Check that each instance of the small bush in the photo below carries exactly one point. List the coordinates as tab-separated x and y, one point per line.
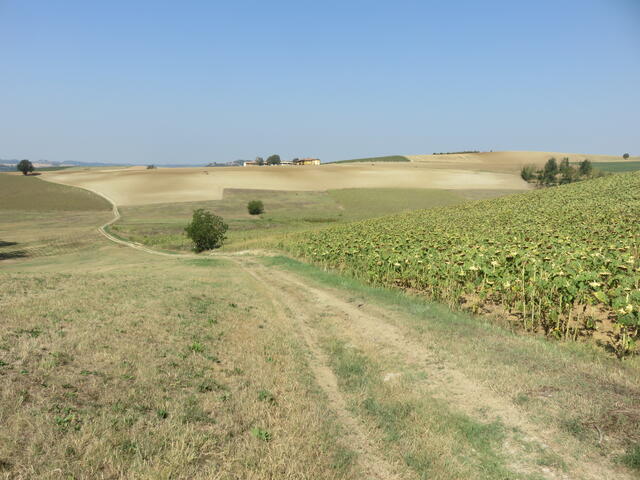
625	156
206	230
528	173
255	207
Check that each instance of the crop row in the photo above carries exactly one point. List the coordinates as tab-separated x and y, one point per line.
563	260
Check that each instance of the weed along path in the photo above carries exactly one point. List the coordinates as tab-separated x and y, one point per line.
416	391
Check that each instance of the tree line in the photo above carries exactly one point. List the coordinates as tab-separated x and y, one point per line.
559	174
271	160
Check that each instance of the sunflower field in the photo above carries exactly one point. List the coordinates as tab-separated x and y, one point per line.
563	261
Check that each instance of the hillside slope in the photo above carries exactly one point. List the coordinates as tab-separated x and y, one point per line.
138	186
507	161
564	261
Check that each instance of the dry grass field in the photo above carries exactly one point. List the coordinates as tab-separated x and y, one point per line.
118	363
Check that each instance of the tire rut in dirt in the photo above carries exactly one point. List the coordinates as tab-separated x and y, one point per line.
373	465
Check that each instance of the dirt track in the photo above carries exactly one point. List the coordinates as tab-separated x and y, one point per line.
307	307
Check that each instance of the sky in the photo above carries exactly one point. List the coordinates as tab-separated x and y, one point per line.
203	81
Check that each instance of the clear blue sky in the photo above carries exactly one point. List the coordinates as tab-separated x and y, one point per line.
199	81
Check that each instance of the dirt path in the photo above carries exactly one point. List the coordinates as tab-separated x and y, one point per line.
362	325
370	460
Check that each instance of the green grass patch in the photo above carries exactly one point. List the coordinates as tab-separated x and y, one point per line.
359	203
632	458
410	422
205	262
617	167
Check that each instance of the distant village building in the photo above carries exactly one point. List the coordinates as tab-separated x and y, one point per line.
306	161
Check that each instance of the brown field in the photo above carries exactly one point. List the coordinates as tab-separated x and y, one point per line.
138	186
505	162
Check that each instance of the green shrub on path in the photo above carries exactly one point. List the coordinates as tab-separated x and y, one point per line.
206	230
255	207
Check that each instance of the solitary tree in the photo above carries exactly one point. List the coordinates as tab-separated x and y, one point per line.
25	166
585	168
206	230
625	156
255	207
259	161
273	160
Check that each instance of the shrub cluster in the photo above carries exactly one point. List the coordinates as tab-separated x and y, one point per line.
559	174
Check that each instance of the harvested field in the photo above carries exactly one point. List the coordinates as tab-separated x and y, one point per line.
138	186
507	162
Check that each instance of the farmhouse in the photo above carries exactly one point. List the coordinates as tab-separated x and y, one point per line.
307	161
